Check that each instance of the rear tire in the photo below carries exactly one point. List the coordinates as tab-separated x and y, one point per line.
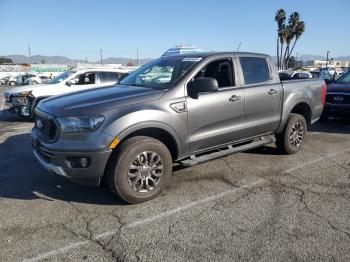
293	135
139	169
11	83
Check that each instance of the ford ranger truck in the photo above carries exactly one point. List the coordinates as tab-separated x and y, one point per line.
187	109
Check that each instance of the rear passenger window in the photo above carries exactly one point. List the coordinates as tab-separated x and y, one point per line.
108	77
255	70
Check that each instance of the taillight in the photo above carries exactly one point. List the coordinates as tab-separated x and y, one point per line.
324	93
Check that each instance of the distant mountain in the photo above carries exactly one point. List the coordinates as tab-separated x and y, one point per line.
62	60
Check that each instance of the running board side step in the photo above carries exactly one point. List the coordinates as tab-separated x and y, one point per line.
195	160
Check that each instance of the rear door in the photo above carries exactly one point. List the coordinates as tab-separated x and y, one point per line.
263	96
215	118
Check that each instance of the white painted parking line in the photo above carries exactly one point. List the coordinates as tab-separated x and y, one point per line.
145	221
315	160
173	211
57	251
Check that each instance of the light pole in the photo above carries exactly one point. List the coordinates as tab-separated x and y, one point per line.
30	55
327	59
137	56
101	56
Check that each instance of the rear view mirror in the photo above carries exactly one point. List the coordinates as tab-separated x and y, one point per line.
202	85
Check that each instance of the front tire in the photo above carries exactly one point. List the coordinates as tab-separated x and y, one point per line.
293	135
11	83
139	170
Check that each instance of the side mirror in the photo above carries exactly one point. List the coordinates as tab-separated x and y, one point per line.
329	81
122	77
203	85
71	82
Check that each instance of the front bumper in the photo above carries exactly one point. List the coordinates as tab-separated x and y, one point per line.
60	162
336	110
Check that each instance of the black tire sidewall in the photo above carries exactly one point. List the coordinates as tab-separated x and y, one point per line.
291	121
124	159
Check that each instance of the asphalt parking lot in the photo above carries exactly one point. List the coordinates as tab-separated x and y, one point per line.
252	206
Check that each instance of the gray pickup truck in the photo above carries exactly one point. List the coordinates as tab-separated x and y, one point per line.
186	109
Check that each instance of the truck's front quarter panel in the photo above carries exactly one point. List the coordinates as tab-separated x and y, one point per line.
121	122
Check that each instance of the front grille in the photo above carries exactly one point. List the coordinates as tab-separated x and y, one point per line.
45	125
340	99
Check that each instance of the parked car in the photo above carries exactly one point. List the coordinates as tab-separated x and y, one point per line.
12	81
5	80
38	80
338	97
187	109
23	100
301	75
24	79
325	74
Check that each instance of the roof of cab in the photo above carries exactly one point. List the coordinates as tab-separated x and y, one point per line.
210	54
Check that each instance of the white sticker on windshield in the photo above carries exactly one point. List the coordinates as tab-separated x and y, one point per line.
191	59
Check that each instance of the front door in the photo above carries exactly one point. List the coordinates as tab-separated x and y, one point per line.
215	118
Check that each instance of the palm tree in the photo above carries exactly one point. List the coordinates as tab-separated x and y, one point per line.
283	38
299	30
280	18
293	22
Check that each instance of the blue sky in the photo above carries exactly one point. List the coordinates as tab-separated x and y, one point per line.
78	29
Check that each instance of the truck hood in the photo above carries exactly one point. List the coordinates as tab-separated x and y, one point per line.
341	88
26	88
94	101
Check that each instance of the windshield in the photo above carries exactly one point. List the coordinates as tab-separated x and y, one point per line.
61	77
161	73
344	78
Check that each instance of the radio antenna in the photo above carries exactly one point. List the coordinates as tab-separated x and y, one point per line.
239	45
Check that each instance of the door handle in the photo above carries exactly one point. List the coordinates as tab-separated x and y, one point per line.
272	91
234	98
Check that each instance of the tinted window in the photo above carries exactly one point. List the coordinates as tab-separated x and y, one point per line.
85	79
221	70
344	78
255	70
109	77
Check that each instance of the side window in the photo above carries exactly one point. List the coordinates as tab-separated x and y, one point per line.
255	70
221	70
86	78
109	77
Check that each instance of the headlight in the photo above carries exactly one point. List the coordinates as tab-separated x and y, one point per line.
24	93
79	124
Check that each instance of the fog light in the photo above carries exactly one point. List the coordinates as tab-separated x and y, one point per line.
78	162
84	162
